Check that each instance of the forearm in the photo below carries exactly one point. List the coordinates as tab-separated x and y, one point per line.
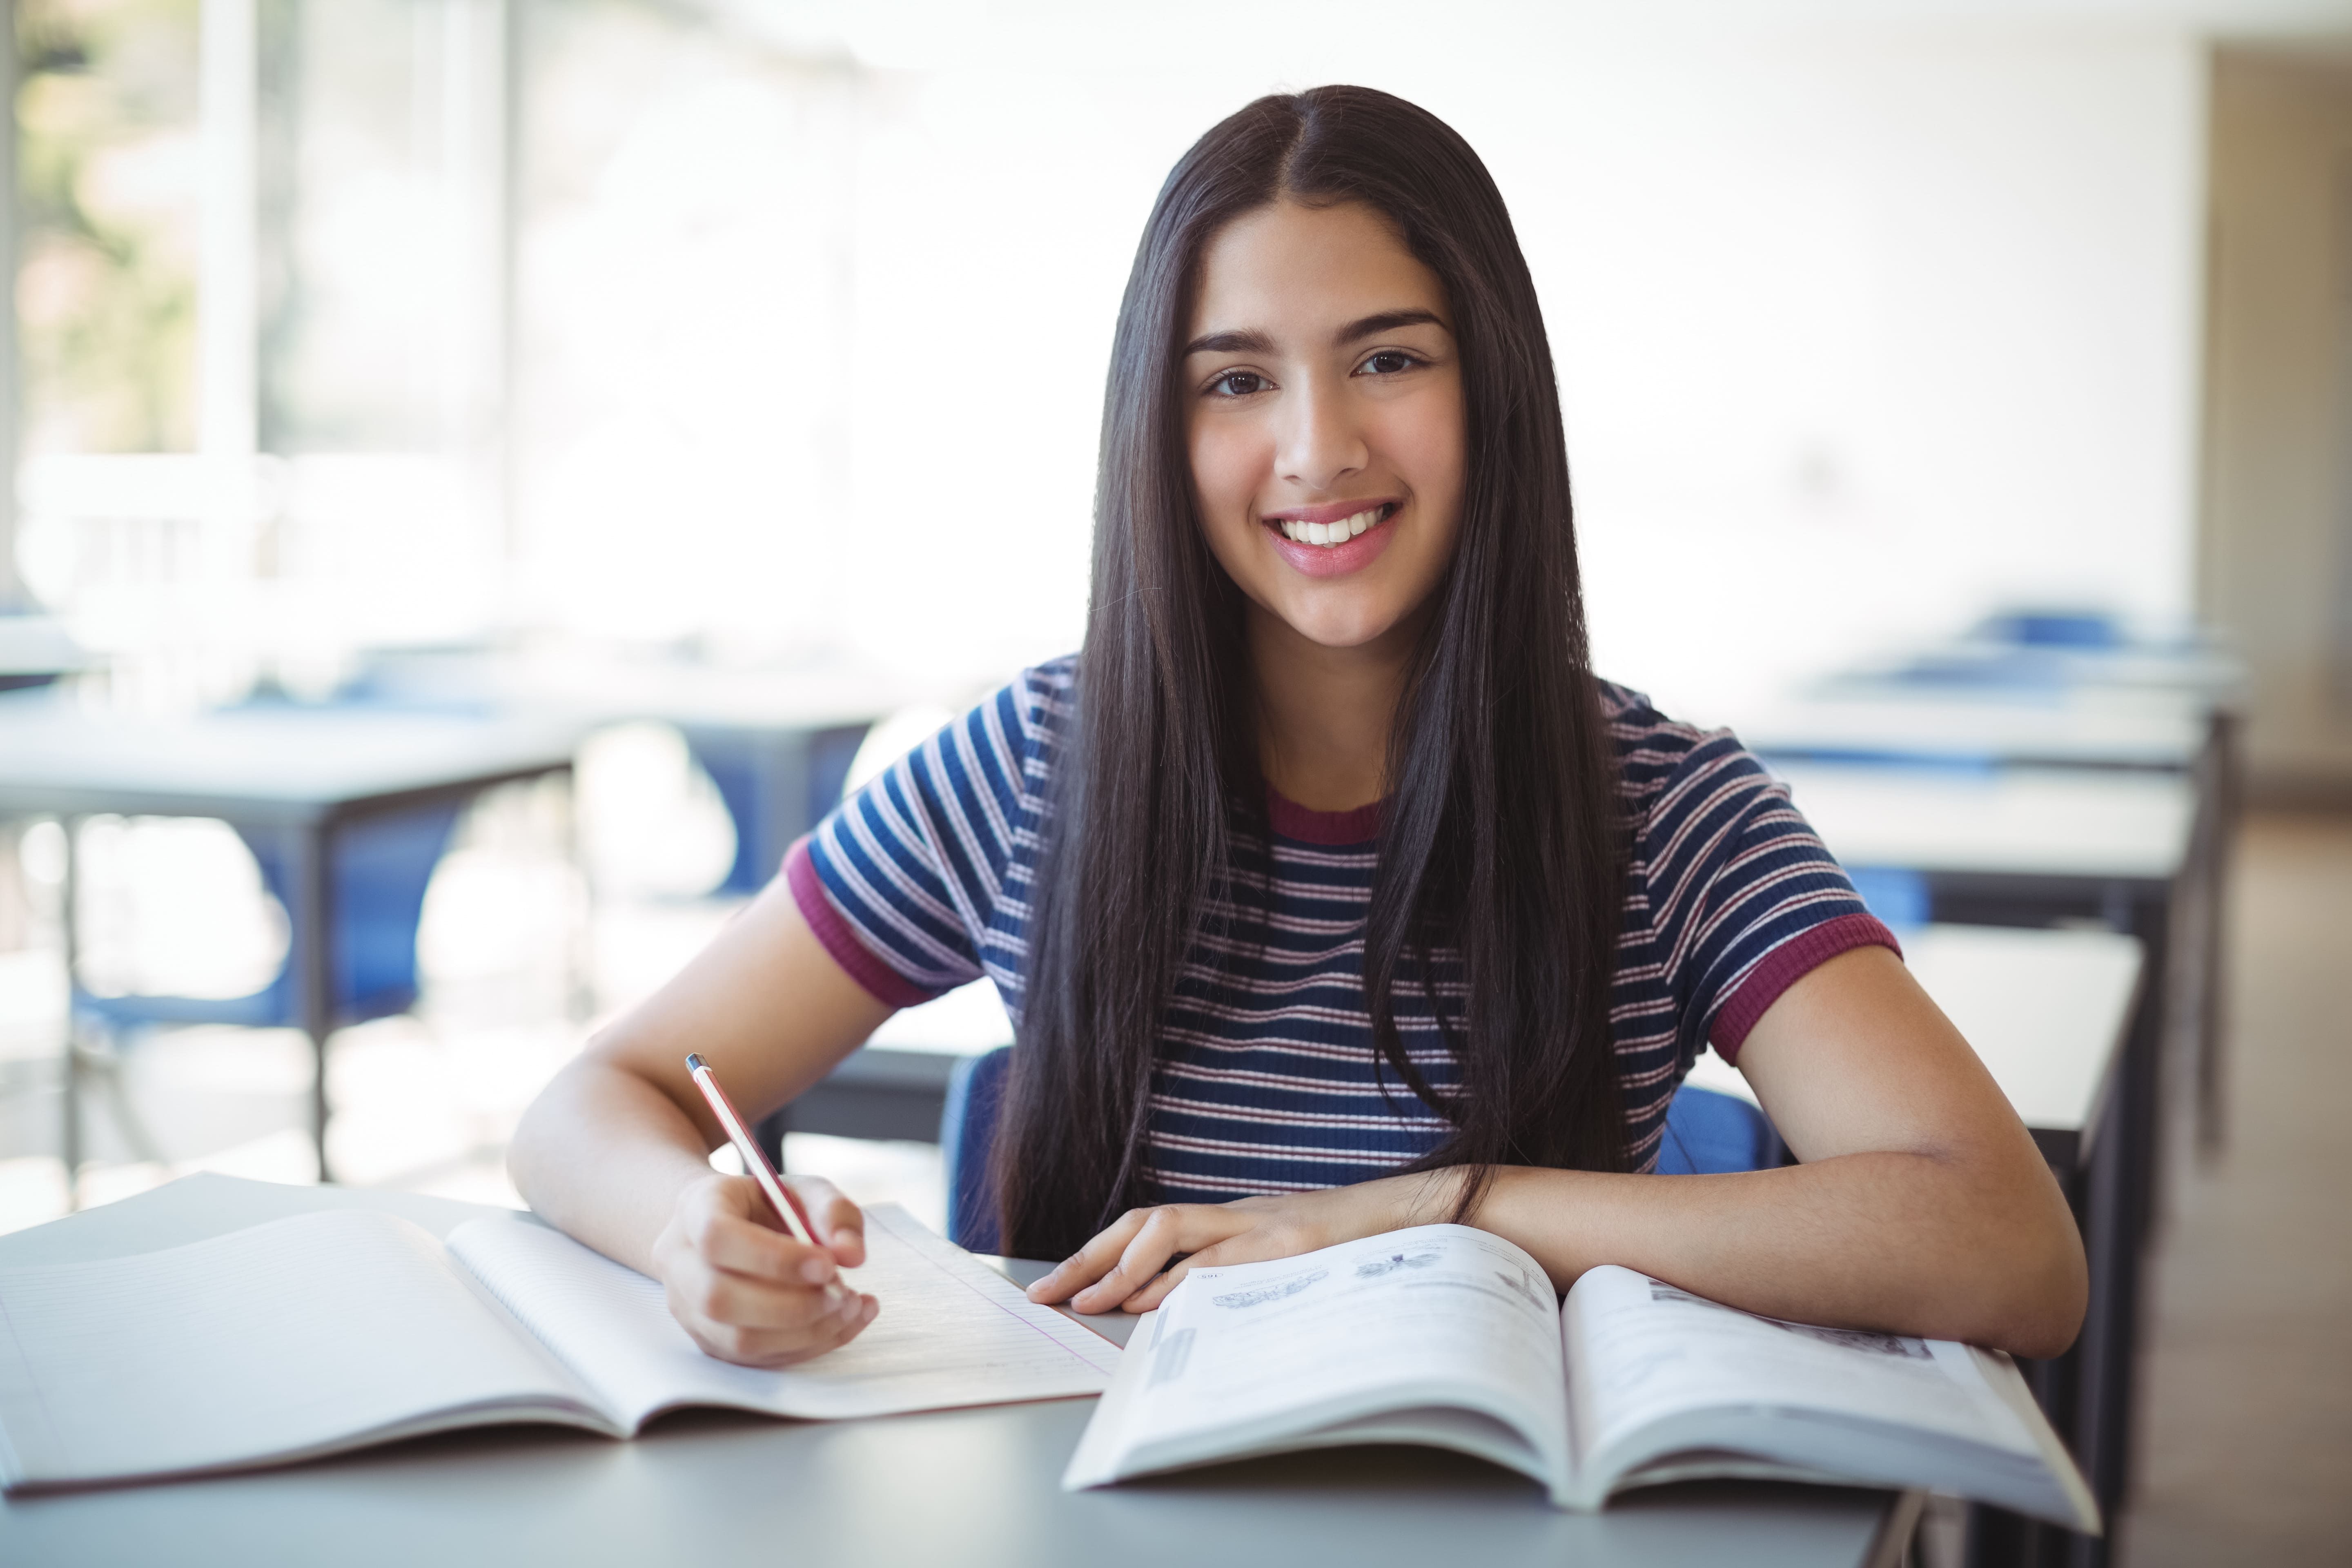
1912	1242
604	1155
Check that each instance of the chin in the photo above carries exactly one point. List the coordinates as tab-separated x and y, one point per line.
1333	626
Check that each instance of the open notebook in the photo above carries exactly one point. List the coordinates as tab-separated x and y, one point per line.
339	1330
1451	1337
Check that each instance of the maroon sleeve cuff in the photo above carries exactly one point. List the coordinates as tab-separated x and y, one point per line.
1783	967
881	982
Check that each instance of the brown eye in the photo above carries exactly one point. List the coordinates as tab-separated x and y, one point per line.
1238	384
1388	361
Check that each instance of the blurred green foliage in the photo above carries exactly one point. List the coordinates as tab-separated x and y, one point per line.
110	172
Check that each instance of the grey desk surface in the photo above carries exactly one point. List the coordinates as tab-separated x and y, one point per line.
594	689
2095	726
257	763
2022	821
960	1487
2046	1011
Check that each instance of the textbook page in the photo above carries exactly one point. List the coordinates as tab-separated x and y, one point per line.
1641	1350
299	1337
950	1332
1440	1333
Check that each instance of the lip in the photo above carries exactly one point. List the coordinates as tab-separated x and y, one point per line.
1331	511
1332	559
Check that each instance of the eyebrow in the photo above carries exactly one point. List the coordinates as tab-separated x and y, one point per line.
1242	343
1252	342
1388	321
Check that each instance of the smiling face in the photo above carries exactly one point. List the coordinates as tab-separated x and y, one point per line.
1325	423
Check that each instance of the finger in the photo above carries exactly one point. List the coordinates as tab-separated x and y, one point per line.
773	1348
708	1296
1090	1262
1165	1234
1155	1291
840	1224
743	1245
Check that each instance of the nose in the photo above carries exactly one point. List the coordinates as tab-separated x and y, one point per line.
1320	443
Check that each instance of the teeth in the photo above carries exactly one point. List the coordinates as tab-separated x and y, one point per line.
1330	533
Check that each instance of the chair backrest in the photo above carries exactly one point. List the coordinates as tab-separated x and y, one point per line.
1706	1132
967	1133
1709	1132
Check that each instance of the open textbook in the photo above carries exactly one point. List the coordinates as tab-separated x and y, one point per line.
1451	1337
338	1329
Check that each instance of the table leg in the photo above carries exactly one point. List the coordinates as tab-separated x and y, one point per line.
2224	803
69	1056
310	925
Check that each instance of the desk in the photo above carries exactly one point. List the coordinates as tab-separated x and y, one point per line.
2048	1012
2169	715
297	773
969	1486
777	742
2064	826
2057	1017
2166	731
2139	851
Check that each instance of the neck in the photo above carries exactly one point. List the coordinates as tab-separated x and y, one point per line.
1324	714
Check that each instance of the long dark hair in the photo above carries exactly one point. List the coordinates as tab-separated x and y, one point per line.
1500	836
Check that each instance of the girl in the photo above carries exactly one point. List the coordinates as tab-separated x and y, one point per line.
1330	890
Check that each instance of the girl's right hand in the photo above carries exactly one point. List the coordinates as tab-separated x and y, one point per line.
747	1292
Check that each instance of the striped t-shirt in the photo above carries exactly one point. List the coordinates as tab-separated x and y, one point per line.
1266	1079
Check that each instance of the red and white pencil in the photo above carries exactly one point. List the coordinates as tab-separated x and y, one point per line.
785	1202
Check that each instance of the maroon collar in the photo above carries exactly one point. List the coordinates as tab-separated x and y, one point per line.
1292	820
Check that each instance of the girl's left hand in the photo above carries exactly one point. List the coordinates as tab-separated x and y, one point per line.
1136	1262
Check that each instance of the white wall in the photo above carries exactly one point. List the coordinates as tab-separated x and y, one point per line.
1857	329
2278	496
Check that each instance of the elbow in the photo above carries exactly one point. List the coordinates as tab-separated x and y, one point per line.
2042	1288
524	1147
535	1147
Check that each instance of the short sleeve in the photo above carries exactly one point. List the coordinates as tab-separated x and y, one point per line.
903	881
1748	899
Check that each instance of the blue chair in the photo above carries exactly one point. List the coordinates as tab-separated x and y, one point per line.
1709	1133
776	785
967	1133
1904	898
1705	1132
378	870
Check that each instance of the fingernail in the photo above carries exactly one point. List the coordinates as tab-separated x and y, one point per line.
815	1271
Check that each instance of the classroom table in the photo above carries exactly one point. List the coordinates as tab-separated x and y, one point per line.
2070	828
2135	851
970	1487
776	740
296	773
2164	731
2170	711
2047	1011
2054	1016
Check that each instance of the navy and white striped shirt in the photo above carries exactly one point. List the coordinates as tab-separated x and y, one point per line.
1266	1080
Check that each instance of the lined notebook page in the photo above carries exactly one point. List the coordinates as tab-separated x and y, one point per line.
293	1336
950	1332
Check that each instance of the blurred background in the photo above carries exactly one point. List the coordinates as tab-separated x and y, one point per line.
487	473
